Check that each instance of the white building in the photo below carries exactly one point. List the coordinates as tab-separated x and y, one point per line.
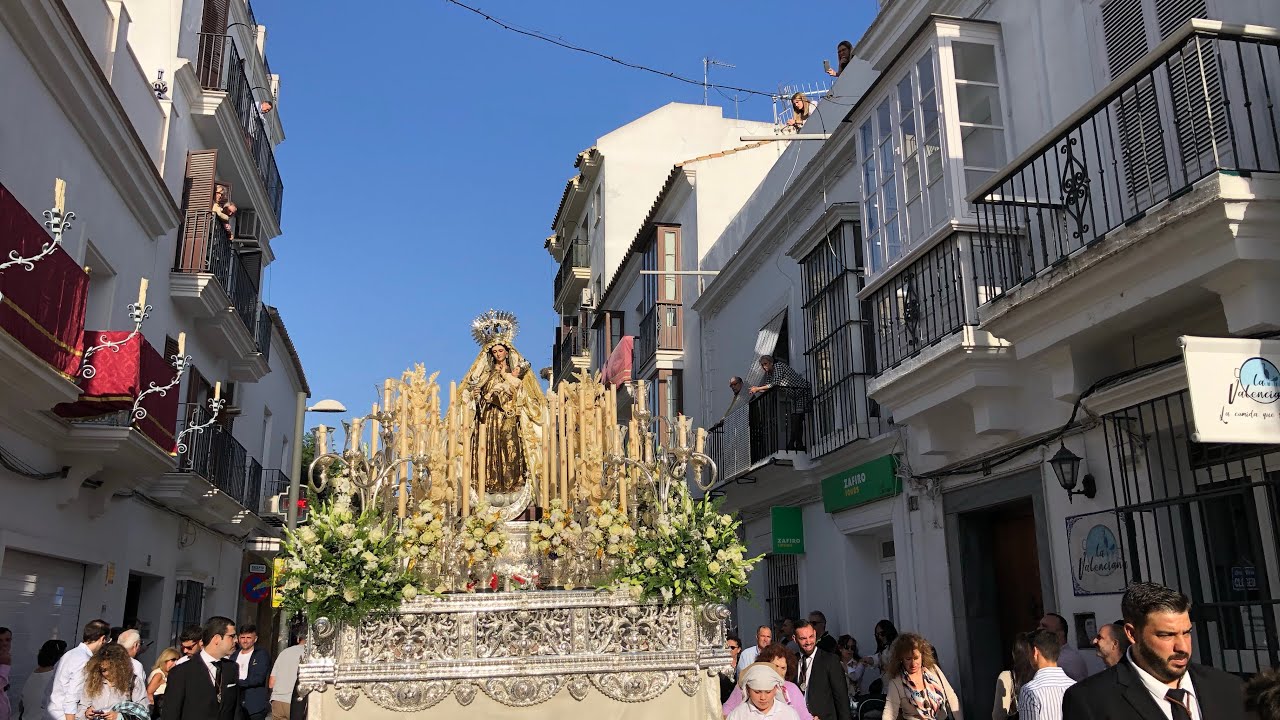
1046	196
603	205
102	519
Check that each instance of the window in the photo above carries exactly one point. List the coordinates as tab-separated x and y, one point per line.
834	344
597	206
906	194
188	607
784	587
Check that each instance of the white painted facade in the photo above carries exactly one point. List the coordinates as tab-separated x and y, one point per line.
980	364
136	528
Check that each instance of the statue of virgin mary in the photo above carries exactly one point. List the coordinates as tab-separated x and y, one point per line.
502	396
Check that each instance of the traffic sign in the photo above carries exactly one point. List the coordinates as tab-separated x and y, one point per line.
255	587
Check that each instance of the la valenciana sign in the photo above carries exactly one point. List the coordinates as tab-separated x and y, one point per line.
862	484
1235	389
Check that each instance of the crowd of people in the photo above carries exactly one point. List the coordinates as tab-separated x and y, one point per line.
799	671
214	673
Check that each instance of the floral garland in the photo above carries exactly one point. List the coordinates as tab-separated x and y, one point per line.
609	532
425	533
343	565
691	552
483	534
558	532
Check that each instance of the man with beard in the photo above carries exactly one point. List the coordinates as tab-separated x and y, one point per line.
1157	678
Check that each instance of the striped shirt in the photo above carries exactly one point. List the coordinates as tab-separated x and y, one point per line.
1041	698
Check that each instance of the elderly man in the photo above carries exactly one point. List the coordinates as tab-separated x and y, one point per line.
764	636
1112	643
778	374
131	641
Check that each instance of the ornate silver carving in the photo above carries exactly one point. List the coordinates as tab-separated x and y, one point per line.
633	628
523	691
578	686
465	693
412	696
405	638
346	695
633	686
690	682
523	633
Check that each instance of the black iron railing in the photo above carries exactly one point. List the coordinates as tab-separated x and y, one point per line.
244	295
578	256
921	304
219	66
1202	102
274	482
756	430
220	459
662	328
206	248
572	345
264	333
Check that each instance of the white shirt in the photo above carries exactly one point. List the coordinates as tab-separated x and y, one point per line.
1159	689
285	673
35	695
139	672
210	664
68	679
242	659
747	657
1041	697
779	711
805	670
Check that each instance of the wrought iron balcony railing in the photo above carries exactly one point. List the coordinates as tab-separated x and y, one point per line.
220	459
918	306
219	66
573	344
577	256
274	482
755	431
207	249
662	328
264	333
1204	101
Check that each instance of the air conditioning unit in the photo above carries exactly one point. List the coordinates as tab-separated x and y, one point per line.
248	229
588	298
278	504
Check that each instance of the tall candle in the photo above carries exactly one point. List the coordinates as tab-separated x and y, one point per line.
544	485
642	397
353	433
633	439
182	344
562	416
60	194
142	293
217	390
582	418
373	431
322	440
467	450
386	393
482	462
700	444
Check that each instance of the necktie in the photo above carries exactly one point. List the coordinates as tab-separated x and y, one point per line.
1178	699
804	673
217	680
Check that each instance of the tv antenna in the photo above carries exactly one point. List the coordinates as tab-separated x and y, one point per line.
707	62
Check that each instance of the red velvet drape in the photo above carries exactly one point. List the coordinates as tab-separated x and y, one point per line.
43	308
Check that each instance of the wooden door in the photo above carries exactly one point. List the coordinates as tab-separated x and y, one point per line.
1017	571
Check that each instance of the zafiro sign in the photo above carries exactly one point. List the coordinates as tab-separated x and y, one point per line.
1235	389
788	530
859	485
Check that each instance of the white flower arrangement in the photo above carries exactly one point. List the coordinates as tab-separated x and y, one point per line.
425	533
483	534
609	532
342	565
691	551
557	534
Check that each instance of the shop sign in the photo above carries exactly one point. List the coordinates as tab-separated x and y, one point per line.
1097	559
1234	385
277	577
788	530
862	484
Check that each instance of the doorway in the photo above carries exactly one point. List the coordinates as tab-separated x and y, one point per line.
1000	580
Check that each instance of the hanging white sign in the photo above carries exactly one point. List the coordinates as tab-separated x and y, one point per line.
1235	389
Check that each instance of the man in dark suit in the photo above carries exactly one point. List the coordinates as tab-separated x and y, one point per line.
206	687
1156	680
820	678
254	664
818	620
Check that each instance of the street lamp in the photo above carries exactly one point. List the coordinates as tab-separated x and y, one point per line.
295	478
1066	465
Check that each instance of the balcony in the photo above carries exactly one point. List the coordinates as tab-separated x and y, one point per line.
210	281
216	479
41	316
1157	187
572	354
661	330
572	277
753	442
274	483
229	114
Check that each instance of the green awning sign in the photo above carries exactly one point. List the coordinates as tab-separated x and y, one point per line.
788	530
862	484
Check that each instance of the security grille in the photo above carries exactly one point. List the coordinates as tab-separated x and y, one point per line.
784	588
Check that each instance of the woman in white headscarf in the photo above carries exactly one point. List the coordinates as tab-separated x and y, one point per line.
760	684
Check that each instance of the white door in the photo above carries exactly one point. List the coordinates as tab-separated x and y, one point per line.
39	601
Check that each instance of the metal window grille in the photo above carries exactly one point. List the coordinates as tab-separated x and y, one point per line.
835	330
784	587
1201	518
188	607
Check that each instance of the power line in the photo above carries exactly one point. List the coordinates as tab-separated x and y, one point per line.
568	46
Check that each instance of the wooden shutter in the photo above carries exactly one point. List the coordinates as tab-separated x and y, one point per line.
1137	109
1195	91
213	43
170	348
197	209
214	19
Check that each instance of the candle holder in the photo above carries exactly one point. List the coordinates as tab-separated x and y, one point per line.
215	407
137	315
58	222
180	363
374	474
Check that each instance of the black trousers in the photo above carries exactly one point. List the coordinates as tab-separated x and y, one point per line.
795	438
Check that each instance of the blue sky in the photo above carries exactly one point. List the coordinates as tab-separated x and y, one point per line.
427	149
